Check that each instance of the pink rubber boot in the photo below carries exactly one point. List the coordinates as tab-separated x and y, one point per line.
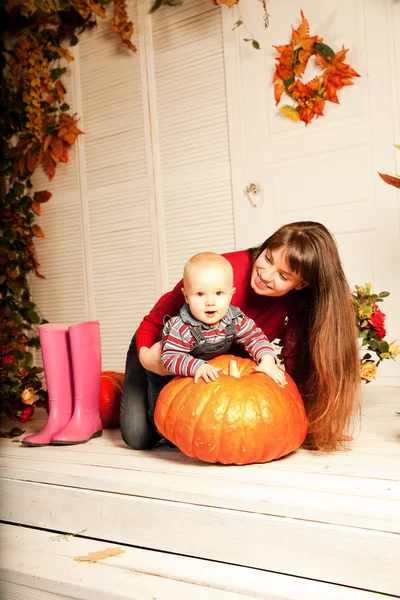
85	422
54	343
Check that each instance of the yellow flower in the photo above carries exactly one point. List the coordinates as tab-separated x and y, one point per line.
368	371
28	396
394	350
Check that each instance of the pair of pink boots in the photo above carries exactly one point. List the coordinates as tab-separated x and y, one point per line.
72	367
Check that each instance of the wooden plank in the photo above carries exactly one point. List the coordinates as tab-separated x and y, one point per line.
365	503
348	556
37	561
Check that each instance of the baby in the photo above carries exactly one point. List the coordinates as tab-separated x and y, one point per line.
208	324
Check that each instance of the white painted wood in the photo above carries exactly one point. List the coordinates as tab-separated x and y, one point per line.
342	500
188	108
46	552
117	181
327	171
349	556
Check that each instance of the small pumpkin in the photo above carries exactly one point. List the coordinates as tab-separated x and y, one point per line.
111	385
243	417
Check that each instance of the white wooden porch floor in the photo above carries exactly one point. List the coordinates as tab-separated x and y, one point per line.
306	527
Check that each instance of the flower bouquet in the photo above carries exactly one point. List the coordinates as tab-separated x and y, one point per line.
21	384
371	330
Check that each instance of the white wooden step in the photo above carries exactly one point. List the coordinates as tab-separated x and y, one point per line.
40	565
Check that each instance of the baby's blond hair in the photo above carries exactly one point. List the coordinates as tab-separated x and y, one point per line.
205	260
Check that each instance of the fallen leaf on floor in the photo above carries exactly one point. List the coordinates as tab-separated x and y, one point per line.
93	557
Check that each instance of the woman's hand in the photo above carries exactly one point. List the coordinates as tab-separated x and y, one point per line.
267	365
150	359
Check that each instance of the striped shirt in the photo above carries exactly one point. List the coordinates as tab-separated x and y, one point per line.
178	342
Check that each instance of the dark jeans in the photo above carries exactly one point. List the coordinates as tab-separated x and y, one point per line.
139	397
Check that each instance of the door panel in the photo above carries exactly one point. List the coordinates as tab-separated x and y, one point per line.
326	171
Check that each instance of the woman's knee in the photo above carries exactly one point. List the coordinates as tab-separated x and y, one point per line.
139	438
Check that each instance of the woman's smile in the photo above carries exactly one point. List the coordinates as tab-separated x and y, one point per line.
272	276
261	283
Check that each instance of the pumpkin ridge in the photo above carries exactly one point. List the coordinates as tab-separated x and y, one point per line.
172	408
203	408
260	453
222	421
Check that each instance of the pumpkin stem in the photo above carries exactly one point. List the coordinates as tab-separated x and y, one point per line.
233	369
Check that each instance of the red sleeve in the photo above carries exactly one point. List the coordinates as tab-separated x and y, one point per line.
152	325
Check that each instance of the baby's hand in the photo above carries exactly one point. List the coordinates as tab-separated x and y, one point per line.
267	365
207	372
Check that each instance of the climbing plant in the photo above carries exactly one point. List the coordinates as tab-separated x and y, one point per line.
36	128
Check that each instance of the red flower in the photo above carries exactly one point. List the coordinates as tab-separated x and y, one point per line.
378	321
7	359
26	414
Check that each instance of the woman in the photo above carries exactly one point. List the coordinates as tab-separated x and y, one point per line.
293	287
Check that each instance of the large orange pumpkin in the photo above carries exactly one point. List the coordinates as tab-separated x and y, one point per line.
111	384
239	419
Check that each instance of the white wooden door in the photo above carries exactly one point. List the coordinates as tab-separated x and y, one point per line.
327	171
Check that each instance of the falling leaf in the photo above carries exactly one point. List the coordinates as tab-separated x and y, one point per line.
93	557
391	180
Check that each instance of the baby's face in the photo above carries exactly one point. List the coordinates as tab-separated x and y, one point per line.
208	291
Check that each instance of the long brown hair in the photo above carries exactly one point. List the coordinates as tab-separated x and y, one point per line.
327	366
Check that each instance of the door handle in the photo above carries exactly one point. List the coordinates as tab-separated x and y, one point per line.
252	192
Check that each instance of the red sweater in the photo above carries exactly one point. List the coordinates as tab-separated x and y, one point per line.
267	312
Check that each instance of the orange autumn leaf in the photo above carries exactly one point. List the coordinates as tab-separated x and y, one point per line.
67	128
284	67
36	208
122	25
60	90
46	142
228	3
391	180
49	165
337	74
305	52
302	31
58	150
93	557
37	231
97	9
279	89
43	196
32	160
128	45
